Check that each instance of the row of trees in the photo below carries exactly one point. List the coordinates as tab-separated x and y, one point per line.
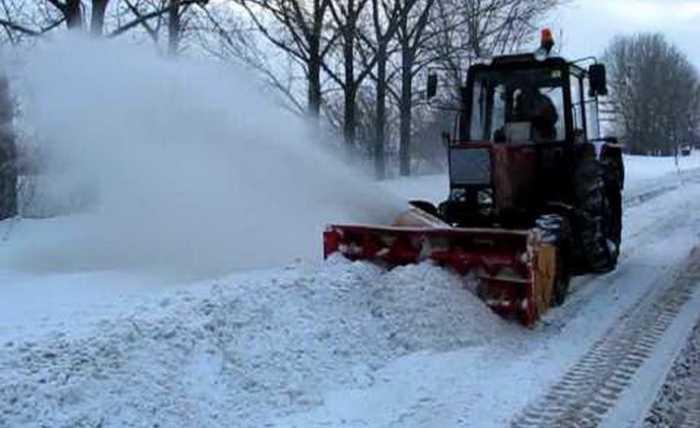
356	64
373	53
26	19
655	93
359	64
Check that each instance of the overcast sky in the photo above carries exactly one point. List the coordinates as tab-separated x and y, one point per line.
585	27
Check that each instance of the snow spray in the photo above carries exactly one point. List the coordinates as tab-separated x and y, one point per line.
191	169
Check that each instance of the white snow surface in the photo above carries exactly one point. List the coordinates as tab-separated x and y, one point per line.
101	324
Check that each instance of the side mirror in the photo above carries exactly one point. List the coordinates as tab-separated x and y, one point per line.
432	85
597	80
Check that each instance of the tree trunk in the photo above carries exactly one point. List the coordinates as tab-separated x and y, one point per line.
405	109
350	122
174	27
380	125
316	58
314	83
8	155
97	23
350	89
73	14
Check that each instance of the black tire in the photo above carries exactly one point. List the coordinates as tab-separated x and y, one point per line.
613	177
556	229
597	218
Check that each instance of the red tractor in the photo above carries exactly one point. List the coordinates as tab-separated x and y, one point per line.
535	193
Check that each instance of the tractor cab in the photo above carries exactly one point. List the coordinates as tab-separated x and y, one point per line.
523	123
520	99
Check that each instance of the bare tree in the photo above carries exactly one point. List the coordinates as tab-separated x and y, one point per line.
653	92
72	11
227	36
21	19
345	17
155	16
298	29
97	21
178	21
138	9
385	24
174	27
365	115
8	154
411	37
695	114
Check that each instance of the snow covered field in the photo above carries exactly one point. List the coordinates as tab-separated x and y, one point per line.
103	325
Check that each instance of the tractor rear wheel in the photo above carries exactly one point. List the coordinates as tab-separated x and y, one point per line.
597	214
613	178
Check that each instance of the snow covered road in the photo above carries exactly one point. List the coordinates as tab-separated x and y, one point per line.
678	401
608	386
337	343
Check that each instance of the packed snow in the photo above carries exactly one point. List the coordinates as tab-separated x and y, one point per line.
190	174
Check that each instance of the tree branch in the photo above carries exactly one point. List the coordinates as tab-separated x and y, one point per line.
58	5
21	29
275	41
151	32
52	26
143	18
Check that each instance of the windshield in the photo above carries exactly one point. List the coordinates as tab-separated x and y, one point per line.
517	105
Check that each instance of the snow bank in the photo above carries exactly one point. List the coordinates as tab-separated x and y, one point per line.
192	170
240	353
641	168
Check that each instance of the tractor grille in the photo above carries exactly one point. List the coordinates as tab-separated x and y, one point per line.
470	166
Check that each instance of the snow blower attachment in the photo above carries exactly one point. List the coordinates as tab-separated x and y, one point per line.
513	271
534	194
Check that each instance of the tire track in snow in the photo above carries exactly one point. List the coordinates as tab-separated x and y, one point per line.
591	387
663	187
634	200
678	402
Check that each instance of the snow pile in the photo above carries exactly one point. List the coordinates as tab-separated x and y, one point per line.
243	352
423	306
190	169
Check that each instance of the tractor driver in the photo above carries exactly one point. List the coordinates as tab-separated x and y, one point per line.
533	106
